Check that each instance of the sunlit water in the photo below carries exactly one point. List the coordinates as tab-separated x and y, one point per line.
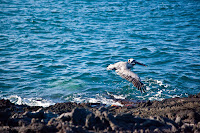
58	50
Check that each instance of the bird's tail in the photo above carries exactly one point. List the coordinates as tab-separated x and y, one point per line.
111	67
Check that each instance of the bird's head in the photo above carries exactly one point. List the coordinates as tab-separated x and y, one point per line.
134	62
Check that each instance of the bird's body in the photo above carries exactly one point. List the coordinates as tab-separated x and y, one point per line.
123	69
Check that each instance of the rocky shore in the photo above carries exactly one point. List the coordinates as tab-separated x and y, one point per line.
169	115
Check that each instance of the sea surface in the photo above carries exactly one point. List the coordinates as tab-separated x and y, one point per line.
58	50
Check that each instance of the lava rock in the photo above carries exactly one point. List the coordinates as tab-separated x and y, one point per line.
79	116
37	114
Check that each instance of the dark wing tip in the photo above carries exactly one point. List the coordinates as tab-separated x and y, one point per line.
139	85
135	81
143	88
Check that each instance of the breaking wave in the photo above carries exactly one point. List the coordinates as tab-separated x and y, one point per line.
30	101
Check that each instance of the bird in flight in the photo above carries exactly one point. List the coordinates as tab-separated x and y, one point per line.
124	70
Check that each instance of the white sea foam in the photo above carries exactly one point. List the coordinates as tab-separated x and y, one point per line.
148	88
97	99
160	83
152	83
30	101
78	99
117	96
104	101
15	99
38	102
156	90
156	98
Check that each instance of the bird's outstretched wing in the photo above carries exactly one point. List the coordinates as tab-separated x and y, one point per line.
133	78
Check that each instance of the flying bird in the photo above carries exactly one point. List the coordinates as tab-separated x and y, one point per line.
124	70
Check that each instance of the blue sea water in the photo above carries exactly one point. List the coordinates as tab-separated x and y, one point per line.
58	50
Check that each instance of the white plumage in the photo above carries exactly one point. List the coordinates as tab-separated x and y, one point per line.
123	69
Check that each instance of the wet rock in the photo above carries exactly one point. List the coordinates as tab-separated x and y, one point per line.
145	104
52	121
5	103
102	109
194	96
78	129
178	120
101	121
171	123
4	115
152	123
21	123
60	108
157	130
34	127
193	117
189	116
90	121
158	118
48	115
169	115
5	111
128	118
17	116
112	122
79	116
65	116
37	114
186	128
36	120
54	125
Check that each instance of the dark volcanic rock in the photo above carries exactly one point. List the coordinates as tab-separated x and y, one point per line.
169	115
5	111
60	108
33	128
79	116
90	121
37	114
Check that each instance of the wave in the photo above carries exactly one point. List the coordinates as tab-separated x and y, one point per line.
156	90
97	99
30	101
152	82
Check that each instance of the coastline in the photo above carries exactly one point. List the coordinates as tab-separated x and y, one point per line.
169	115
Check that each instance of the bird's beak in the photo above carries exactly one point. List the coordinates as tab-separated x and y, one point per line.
140	64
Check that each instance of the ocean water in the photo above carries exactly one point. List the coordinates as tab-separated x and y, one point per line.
58	50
